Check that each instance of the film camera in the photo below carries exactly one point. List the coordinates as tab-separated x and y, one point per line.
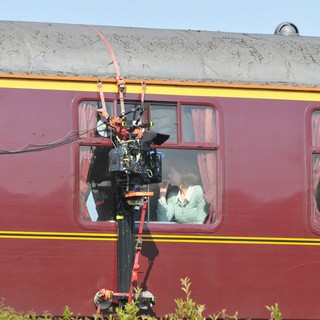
137	160
132	156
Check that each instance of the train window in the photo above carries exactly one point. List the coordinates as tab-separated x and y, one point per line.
198	123
97	192
133	111
164	118
190	168
88	117
188	192
98	186
315	203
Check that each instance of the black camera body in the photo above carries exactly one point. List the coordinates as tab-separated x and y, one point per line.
139	163
132	157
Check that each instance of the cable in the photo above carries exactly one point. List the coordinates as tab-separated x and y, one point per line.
68	138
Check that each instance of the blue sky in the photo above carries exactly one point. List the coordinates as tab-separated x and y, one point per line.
246	16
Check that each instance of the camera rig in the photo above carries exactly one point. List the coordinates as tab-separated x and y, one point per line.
132	156
135	164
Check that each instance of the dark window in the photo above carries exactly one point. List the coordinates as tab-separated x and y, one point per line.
97	191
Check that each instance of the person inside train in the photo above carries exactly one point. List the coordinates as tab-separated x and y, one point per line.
181	197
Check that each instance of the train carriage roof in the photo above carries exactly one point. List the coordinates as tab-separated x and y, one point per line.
159	54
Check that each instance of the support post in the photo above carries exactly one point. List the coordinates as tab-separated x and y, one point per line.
126	244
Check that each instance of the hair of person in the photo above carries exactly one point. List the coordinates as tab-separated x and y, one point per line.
189	179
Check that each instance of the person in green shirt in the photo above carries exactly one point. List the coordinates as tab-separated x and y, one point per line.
181	199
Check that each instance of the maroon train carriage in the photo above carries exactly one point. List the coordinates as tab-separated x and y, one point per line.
240	111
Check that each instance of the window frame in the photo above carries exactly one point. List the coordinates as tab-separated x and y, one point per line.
312	151
217	147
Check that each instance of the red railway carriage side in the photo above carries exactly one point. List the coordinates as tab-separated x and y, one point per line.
253	145
40	250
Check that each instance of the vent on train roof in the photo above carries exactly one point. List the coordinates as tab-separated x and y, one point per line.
287	29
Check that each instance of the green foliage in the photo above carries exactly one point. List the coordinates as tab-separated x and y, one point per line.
97	316
275	312
223	315
68	314
186	308
130	311
9	313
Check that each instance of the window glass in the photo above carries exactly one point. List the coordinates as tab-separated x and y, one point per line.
165	120
188	192
88	117
198	123
97	188
315	203
316	129
194	169
132	110
316	191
